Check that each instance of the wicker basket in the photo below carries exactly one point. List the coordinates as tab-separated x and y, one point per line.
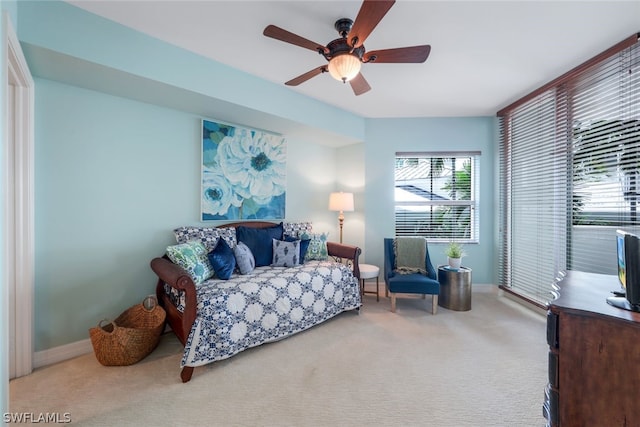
131	337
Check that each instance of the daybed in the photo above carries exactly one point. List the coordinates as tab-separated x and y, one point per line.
216	319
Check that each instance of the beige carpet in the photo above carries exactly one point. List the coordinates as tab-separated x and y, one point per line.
484	367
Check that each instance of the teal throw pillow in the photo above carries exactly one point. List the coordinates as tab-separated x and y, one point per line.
192	256
318	247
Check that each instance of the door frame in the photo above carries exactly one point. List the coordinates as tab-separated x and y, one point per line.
18	214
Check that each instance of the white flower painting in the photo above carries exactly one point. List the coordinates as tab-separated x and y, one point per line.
243	173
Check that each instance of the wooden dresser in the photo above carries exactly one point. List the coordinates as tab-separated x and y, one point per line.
594	356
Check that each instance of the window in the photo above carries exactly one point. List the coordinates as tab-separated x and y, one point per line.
570	173
436	195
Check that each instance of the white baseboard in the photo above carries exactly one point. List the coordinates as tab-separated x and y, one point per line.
66	352
61	353
523	303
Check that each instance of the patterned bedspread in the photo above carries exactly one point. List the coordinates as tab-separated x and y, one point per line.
266	305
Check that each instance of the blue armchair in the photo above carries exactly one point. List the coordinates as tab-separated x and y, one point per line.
414	283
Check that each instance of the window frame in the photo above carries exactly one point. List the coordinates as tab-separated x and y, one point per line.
472	203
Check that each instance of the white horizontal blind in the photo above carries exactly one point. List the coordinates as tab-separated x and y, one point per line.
606	160
536	199
436	195
570	173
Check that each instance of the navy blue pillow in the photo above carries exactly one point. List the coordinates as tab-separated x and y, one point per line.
304	245
259	240
222	260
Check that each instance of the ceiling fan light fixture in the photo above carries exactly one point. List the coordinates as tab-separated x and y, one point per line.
344	67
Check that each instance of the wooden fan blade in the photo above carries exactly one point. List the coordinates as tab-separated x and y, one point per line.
413	54
306	76
288	37
359	84
370	14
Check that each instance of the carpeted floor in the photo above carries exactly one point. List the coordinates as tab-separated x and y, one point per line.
484	367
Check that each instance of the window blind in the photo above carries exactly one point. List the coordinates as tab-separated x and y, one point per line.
536	198
605	129
570	159
437	195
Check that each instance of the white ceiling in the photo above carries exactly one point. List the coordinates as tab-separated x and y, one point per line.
484	54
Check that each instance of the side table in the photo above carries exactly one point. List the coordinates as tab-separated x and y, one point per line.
455	288
368	271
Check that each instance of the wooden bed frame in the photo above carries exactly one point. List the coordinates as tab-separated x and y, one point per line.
176	277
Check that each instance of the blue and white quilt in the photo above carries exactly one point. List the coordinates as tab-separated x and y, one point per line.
266	305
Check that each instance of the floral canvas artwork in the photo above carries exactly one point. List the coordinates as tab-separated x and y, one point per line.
243	173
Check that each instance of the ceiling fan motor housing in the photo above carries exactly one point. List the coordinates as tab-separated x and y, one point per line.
341	47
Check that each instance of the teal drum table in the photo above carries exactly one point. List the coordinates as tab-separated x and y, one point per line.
455	288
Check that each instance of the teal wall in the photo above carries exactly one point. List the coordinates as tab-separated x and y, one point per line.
385	137
113	178
117	166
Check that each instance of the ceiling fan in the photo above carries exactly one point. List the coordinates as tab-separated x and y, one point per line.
347	54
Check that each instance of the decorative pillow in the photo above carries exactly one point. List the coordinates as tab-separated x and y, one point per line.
244	258
222	260
318	247
207	235
259	241
304	245
296	229
286	254
192	256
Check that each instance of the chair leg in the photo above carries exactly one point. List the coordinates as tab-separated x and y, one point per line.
393	302
377	289
434	304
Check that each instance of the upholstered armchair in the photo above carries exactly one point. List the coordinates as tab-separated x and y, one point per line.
422	282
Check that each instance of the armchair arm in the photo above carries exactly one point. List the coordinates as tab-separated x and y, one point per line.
350	253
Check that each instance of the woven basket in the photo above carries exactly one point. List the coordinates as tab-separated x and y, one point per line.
131	337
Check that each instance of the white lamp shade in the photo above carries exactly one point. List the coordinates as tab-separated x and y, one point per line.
341	202
344	67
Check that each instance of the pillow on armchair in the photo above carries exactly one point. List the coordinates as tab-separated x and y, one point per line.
259	241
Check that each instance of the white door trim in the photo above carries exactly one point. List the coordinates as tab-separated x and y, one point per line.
20	210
